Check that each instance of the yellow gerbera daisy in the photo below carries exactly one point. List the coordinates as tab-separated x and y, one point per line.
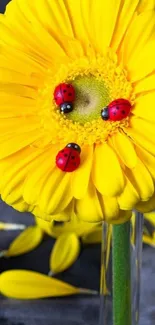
106	50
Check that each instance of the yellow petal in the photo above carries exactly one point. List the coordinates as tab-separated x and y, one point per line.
21	125
38	175
82	174
22	284
149	240
124	216
20	205
29	239
106	172
35	36
110	208
125	149
89	208
94	237
56	193
137	36
142	133
11	106
64	252
16	142
143	102
46	226
126	14
129	197
103	18
22	62
77	26
146	206
61	216
18	90
141	180
145	5
150	217
64	34
145	84
14	197
144	63
147	159
10	77
75	225
17	167
49	15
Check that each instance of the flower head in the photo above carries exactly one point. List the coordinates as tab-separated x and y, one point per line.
105	49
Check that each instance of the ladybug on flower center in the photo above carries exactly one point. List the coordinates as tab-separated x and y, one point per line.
117	110
64	96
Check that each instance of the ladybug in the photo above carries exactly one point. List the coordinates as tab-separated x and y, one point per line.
116	110
64	96
68	159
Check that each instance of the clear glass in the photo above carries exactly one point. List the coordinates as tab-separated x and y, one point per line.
136	267
106	303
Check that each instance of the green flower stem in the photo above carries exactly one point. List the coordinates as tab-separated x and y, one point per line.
121	274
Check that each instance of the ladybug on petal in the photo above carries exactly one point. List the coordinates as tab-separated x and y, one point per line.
117	110
64	96
68	159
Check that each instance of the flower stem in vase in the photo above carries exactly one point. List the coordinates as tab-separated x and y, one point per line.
121	264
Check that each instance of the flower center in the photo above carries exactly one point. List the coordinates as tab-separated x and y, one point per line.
91	96
97	82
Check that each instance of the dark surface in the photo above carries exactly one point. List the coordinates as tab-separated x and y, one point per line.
3	4
84	273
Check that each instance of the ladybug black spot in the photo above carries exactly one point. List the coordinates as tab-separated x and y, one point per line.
117	108
69	94
68	86
123	112
65	155
73	157
64	90
114	113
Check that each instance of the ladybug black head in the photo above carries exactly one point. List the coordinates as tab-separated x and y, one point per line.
74	146
66	108
105	114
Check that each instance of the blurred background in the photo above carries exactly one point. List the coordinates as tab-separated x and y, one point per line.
85	272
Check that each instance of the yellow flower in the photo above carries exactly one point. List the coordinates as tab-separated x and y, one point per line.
106	49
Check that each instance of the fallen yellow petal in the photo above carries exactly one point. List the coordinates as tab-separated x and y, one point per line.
26	241
22	284
64	253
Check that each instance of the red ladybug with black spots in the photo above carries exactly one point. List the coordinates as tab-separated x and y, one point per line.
117	110
68	159
64	96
